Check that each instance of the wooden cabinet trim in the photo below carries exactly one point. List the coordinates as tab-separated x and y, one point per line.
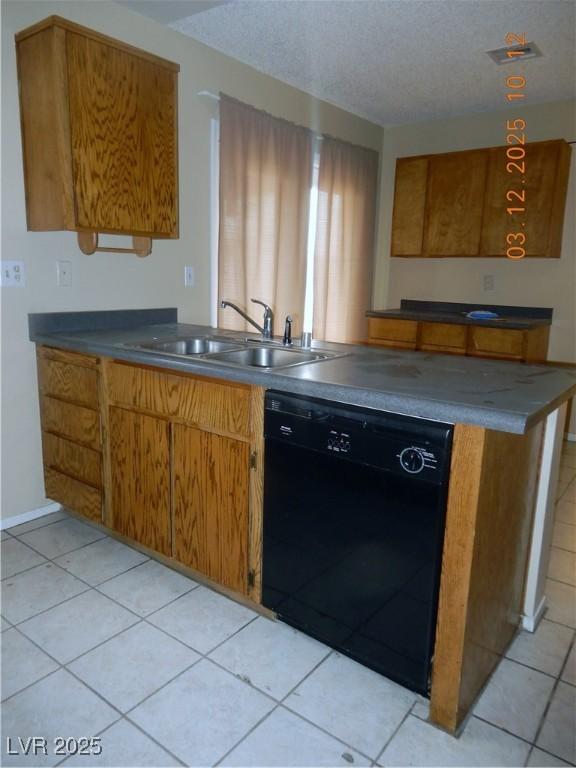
72	493
70	26
393	329
68	356
70	421
70	458
211	404
72	383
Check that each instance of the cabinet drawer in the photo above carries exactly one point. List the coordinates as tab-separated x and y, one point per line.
496	342
71	493
392	330
207	403
73	383
444	335
72	459
82	425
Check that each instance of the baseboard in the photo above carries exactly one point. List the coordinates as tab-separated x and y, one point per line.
530	623
25	517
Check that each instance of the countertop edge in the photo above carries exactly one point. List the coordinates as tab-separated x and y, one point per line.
453	413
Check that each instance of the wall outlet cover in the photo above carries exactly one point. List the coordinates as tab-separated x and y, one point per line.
188	277
13	274
64	273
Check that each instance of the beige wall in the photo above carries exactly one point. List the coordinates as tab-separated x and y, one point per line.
533	282
113	281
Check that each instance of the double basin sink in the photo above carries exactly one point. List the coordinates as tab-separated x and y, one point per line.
227	351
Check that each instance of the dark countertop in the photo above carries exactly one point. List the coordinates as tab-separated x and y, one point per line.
499	395
517	318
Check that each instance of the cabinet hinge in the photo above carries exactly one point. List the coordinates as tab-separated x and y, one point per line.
252	462
251	578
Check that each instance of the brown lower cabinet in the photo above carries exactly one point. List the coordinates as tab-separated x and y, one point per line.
211	505
171	461
140	478
528	346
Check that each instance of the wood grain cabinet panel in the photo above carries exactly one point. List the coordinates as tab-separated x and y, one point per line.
496	342
539	191
209	403
72	459
409	206
74	422
99	133
211	520
455	203
73	383
78	496
447	337
401	334
140	478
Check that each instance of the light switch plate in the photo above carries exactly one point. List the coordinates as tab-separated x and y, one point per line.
188	277
13	274
488	282
64	273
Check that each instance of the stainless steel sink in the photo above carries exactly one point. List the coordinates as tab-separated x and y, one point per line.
267	357
196	345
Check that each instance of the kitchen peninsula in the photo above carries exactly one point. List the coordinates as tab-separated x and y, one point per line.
129	431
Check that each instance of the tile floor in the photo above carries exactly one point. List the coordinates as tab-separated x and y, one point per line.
100	641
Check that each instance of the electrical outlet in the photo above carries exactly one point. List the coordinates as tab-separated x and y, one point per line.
13	274
64	273
188	277
488	282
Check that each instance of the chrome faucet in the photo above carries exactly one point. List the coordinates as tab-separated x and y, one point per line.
266	328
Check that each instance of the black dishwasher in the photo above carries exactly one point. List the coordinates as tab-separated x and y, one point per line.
354	507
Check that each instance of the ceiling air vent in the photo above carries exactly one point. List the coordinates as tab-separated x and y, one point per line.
529	51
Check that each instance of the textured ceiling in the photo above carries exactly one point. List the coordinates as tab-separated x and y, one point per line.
396	61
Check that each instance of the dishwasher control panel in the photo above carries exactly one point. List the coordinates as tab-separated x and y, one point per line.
402	445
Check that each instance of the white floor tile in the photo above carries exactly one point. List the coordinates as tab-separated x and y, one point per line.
202	714
77	625
148	587
569	672
4	624
561	600
4	536
133	665
270	655
515	699
39	522
540	759
124	745
101	560
58	538
352	703
544	649
566	512
420	744
22	663
284	739
28	593
558	734
564	536
202	619
567	473
562	565
570	492
17	557
58	705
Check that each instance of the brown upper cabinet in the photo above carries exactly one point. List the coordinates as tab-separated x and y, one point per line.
99	133
456	204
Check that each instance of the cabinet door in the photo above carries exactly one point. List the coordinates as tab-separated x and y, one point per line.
409	206
392	332
211	477
123	135
532	192
455	198
140	478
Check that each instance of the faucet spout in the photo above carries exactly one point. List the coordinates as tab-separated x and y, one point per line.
266	329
